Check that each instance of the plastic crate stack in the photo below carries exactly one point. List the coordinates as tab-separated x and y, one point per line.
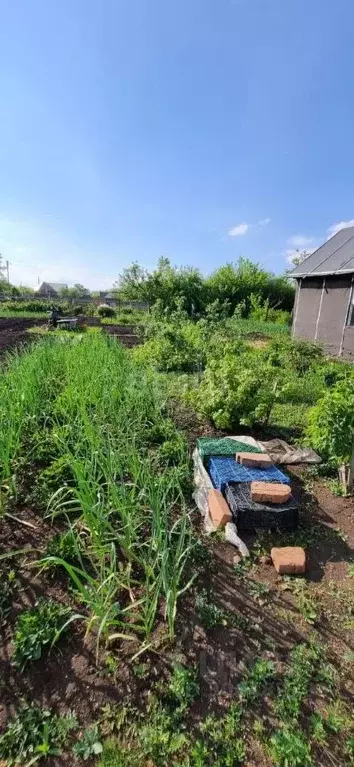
234	481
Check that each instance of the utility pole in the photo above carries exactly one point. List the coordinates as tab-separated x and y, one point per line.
8	271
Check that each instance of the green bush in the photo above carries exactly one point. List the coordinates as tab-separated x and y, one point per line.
106	311
331	423
174	347
237	390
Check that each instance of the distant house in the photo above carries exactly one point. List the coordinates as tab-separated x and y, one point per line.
51	289
324	302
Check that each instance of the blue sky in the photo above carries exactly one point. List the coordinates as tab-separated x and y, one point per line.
194	129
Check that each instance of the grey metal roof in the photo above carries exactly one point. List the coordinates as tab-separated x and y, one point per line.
336	256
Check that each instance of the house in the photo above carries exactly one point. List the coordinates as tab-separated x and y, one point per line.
324	302
51	289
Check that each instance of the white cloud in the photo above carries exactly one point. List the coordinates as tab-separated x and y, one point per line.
238	231
38	254
264	222
299	241
334	228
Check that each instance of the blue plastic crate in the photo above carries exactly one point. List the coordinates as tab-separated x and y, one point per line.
223	470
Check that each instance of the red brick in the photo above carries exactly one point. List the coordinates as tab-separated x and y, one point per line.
218	508
254	460
270	492
290	560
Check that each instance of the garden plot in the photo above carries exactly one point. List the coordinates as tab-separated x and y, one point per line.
126	639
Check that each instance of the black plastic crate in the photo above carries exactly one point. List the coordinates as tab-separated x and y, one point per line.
249	515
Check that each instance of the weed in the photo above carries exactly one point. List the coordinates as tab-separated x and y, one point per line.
220	746
36	628
34	733
159	739
350	750
89	744
259	591
183	687
66	546
243	566
256	677
304	601
209	613
288	748
317	729
141	670
336	717
303	663
7	587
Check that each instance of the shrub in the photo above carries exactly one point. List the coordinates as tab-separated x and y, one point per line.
236	390
173	348
331	423
37	627
106	311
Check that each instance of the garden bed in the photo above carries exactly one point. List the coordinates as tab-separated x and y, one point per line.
210	679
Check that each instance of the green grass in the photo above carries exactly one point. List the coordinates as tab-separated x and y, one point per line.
270	329
23	314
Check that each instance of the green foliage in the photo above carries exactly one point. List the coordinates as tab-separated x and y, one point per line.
297	680
232	283
288	748
183	687
89	744
7	587
209	613
331	423
34	733
36	628
220	745
237	390
106	311
66	546
255	679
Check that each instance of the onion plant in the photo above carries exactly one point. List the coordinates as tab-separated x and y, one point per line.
99	407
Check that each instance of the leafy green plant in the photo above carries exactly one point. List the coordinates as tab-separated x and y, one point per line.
208	612
36	628
183	687
34	733
66	546
256	677
222	744
331	424
317	729
236	389
89	744
288	748
303	664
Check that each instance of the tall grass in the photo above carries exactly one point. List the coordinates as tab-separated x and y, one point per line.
87	397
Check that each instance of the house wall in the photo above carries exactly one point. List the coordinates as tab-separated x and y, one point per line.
321	311
307	304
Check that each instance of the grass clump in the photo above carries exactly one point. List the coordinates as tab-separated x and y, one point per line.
38	627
